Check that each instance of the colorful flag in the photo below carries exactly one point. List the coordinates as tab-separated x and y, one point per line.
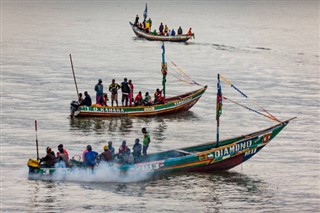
219	100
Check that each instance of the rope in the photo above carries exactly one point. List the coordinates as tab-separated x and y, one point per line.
244	95
268	116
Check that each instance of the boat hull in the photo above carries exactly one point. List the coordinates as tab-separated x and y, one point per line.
209	157
172	106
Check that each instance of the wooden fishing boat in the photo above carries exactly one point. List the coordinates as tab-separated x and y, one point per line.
143	34
208	157
173	105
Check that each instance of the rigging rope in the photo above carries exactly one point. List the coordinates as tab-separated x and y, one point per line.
244	95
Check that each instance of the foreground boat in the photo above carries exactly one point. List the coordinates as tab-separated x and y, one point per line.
173	105
143	34
207	157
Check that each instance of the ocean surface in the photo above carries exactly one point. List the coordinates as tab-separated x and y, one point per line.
267	49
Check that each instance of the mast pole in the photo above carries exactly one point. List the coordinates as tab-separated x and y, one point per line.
74	78
218	108
164	71
36	129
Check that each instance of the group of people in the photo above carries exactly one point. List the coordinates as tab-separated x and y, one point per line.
163	29
92	158
127	95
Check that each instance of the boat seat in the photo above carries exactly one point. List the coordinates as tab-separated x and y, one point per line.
184	152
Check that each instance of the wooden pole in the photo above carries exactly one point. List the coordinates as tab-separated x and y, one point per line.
74	77
36	129
219	96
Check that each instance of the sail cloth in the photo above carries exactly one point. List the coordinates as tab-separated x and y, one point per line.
145	13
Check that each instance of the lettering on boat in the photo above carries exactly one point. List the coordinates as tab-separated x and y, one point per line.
182	102
149	166
251	152
227	152
102	109
149	109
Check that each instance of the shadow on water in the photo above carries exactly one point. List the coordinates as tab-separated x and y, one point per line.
157	125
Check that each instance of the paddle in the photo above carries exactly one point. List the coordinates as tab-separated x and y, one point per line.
36	129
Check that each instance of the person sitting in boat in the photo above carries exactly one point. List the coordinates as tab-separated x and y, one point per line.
147	100
80	98
138	99
146	141
158	98
63	155
87	100
49	160
90	157
105	99
137	148
125	88
154	32
106	155
140	26
166	30
111	148
99	89
161	28
113	88
136	22
180	31
122	152
190	32
173	33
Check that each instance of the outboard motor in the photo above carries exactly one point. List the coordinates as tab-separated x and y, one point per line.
73	108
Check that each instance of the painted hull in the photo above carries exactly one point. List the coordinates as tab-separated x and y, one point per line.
173	105
177	38
207	157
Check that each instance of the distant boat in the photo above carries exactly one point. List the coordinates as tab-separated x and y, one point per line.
143	34
208	157
172	105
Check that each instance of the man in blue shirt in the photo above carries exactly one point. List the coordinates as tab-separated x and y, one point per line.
90	157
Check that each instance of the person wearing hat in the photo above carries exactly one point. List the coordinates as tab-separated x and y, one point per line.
106	155
90	157
99	89
137	148
146	141
50	159
63	155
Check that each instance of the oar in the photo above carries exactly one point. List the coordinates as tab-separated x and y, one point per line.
36	128
74	77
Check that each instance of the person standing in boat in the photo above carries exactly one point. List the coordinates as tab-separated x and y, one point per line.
125	92
99	89
131	92
150	23
87	100
161	29
136	22
180	31
146	141
137	148
63	155
166	30
113	88
50	159
90	157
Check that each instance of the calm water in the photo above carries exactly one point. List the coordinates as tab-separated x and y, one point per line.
270	50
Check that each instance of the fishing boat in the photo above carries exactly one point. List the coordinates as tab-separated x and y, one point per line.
141	33
214	156
171	105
